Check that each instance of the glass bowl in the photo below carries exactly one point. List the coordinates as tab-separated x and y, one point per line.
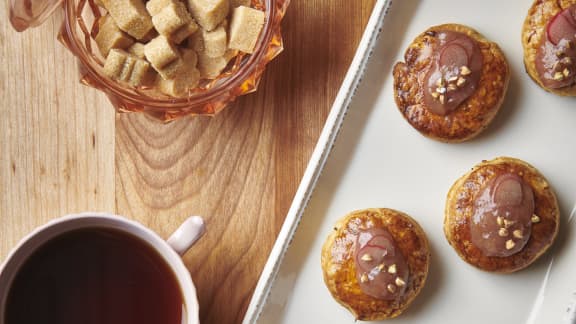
240	77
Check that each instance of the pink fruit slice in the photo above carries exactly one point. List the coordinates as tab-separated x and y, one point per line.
562	26
453	55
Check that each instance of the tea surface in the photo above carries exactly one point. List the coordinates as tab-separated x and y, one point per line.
95	276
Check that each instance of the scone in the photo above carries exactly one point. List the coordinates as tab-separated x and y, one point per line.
452	83
549	41
375	262
501	216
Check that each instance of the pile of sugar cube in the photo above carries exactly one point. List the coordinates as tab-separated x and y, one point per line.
172	45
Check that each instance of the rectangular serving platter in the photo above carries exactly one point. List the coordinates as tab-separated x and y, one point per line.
377	160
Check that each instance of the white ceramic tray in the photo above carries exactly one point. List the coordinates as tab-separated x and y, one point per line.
378	160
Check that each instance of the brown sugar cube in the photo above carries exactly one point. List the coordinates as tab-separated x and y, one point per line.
184	32
211	67
187	79
174	21
245	28
172	70
196	42
137	49
141	73
130	16
160	52
155	6
186	75
122	66
238	3
230	54
110	36
216	38
117	65
215	42
189	57
209	13
150	36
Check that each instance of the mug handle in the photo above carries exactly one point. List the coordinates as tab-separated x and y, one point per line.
187	234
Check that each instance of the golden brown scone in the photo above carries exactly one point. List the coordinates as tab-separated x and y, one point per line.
540	46
461	119
403	278
462	210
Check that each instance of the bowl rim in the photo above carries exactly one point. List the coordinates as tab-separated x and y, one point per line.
112	88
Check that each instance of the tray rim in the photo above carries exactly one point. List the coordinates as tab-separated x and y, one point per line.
318	159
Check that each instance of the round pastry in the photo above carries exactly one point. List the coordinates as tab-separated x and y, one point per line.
501	216
375	262
452	83
549	41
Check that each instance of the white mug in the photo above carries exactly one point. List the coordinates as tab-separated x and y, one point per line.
171	251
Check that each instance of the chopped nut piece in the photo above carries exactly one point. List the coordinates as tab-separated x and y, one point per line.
452	87
558	76
435	95
366	257
245	27
392	269
464	70
380	267
453	78
500	220
440	82
566	72
399	282
535	218
441	90
442	99
510	245
503	232
460	82
518	234
391	288
508	223
364	278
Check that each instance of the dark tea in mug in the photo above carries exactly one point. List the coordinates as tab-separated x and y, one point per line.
95	276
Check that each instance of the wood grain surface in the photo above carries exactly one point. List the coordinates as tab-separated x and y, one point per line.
64	150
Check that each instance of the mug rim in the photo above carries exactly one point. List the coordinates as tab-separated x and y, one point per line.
104	220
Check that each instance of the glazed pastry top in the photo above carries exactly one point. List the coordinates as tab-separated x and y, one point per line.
381	269
556	56
501	223
454	73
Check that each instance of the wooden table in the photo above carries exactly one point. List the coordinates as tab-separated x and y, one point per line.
64	150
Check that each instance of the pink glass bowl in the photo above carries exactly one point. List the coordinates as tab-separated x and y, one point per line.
240	77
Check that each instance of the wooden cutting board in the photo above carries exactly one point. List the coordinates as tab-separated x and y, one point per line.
64	150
